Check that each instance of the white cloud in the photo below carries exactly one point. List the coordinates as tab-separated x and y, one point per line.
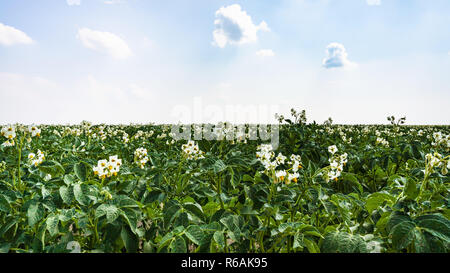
12	36
73	2
336	56
235	26
104	42
373	2
265	53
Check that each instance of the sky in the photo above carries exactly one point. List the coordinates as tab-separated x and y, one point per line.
142	61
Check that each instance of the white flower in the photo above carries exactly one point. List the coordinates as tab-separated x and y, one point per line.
280	175
191	150
334	165
107	168
332	149
9	132
296	166
293	177
36	159
34	130
140	157
280	159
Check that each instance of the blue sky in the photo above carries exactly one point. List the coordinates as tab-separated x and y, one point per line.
357	61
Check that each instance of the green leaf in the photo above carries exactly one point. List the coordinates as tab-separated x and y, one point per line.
69	179
195	209
375	200
111	212
395	219
4	247
181	220
195	234
247	178
148	248
66	194
7	225
45	192
311	246
4	204
129	240
178	245
420	242
123	201
79	191
80	171
52	224
435	224
219	238
411	190
230	223
165	240
342	242
54	168
66	214
298	240
403	234
169	214
219	166
35	213
353	180
131	217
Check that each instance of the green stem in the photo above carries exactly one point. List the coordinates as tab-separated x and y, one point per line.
226	245
19	163
423	186
219	191
267	220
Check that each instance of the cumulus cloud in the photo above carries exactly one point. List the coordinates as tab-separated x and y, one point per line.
373	2
73	2
265	53
234	26
104	42
12	36
336	56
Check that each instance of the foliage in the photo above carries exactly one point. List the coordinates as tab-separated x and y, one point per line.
390	198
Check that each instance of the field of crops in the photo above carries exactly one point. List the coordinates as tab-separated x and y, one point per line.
326	188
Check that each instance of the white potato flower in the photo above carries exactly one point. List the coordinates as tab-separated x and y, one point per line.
332	149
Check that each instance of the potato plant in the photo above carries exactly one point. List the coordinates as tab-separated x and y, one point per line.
326	188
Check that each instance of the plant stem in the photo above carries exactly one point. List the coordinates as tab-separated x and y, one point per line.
20	158
219	192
